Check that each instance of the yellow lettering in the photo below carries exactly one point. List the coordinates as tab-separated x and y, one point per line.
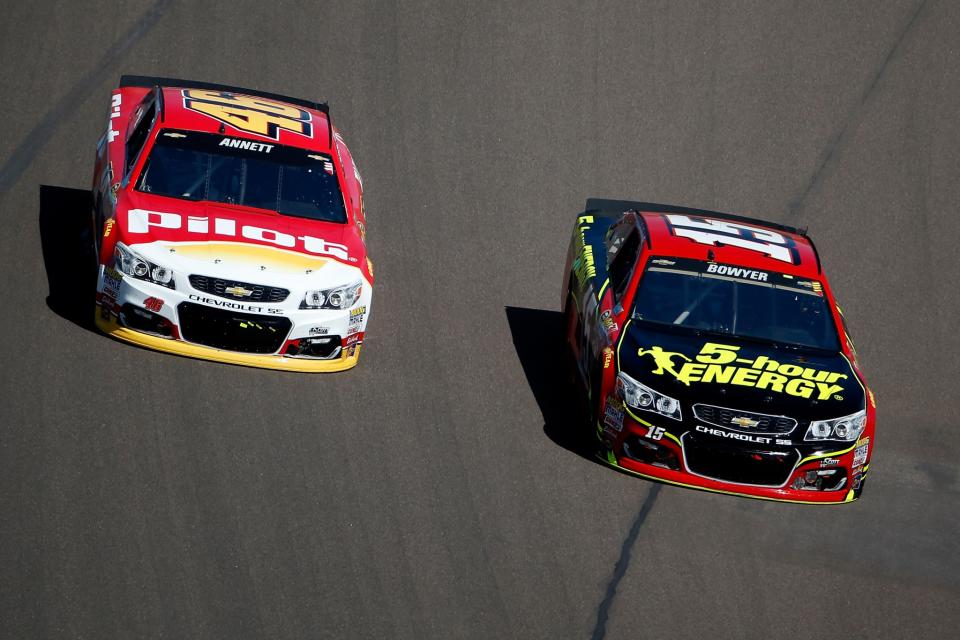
763	362
745	377
790	369
827	390
835	376
690	372
714	353
717	373
814	375
773	380
799	387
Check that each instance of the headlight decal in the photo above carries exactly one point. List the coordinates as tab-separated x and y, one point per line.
342	297
846	428
640	396
135	266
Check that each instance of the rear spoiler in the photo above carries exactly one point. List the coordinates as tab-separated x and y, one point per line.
620	206
149	82
602	205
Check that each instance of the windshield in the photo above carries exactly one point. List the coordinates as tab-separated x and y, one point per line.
204	166
737	301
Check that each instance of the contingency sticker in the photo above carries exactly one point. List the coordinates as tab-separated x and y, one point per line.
860	453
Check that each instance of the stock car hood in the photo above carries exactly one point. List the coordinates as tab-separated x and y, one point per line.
758	377
242	244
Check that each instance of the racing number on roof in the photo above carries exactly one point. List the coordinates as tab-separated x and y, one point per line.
248	113
719	232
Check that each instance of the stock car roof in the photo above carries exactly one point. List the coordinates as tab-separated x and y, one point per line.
311	118
178	116
663	241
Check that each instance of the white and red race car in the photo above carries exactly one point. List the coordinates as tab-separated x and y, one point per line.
229	226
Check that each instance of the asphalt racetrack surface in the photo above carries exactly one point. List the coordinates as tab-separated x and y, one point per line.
439	489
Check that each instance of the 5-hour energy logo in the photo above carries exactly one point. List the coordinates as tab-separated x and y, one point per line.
718	363
248	113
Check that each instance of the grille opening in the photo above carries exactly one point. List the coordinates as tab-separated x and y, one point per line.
232	330
138	319
636	448
325	348
237	290
727	418
732	463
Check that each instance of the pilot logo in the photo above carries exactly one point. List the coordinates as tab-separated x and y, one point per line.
664	360
718	363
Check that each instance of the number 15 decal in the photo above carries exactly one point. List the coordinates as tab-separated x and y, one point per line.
248	113
736	234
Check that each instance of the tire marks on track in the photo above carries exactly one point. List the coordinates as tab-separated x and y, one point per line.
623	563
839	136
27	150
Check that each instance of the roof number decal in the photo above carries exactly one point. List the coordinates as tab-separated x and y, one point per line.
260	116
735	234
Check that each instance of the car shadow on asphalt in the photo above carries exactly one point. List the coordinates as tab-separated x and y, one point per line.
67	253
538	339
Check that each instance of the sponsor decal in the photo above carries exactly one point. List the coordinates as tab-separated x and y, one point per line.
142	221
153	304
829	462
583	265
111	282
249	145
252	114
611	327
663	262
115	101
718	363
370	267
108	227
860	453
352	330
356	316
607	357
613	414
736	272
857	481
319	331
733	435
226	304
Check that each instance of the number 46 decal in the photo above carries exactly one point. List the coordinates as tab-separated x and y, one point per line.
248	113
736	234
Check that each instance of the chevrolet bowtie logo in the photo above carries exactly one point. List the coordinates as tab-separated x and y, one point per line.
238	291
744	421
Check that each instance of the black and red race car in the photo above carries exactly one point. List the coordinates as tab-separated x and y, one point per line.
714	354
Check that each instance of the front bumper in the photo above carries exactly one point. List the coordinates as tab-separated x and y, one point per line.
659	454
163	319
303	365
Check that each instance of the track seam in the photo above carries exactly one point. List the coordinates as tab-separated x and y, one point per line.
23	156
839	136
623	563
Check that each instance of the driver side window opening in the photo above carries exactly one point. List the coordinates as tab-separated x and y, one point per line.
621	265
138	136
